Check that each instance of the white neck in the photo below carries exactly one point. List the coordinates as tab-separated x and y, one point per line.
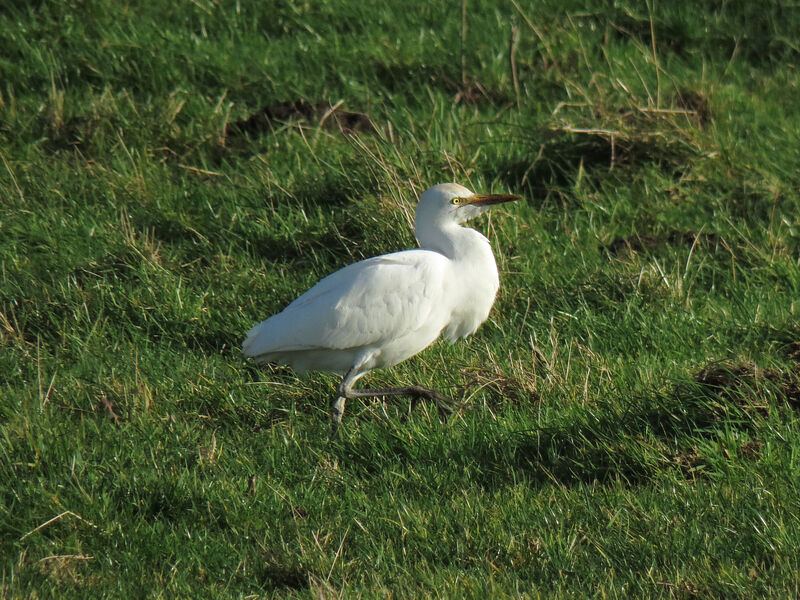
454	241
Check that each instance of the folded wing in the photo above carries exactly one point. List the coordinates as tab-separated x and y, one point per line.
366	303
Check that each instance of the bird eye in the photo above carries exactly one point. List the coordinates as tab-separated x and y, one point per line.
457	201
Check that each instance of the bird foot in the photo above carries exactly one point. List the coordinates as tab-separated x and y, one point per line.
337	410
443	403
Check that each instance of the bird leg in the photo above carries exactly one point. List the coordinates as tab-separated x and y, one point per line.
415	392
337	410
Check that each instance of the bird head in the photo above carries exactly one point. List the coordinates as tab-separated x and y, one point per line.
453	203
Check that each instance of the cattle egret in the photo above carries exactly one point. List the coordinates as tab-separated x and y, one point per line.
380	311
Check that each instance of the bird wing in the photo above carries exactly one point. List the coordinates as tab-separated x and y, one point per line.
363	304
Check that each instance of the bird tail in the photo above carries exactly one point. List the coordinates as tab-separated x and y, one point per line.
249	344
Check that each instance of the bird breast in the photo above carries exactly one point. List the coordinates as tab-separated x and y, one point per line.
474	284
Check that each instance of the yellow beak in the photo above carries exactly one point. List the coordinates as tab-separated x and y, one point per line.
490	199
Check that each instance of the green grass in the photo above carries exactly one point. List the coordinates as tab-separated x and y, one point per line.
633	425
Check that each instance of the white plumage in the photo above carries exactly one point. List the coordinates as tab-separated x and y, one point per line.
380	311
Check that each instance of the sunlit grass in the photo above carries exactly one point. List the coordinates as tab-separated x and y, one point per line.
632	421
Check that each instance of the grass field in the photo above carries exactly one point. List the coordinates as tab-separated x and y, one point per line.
172	174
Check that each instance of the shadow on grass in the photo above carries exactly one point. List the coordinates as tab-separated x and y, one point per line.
273	116
633	447
414	79
649	437
561	155
756	33
649	244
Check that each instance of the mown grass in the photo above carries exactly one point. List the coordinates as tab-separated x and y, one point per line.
632	428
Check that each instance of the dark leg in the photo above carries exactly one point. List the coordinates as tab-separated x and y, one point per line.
337	410
415	392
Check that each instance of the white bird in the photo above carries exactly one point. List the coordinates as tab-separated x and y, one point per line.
380	311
